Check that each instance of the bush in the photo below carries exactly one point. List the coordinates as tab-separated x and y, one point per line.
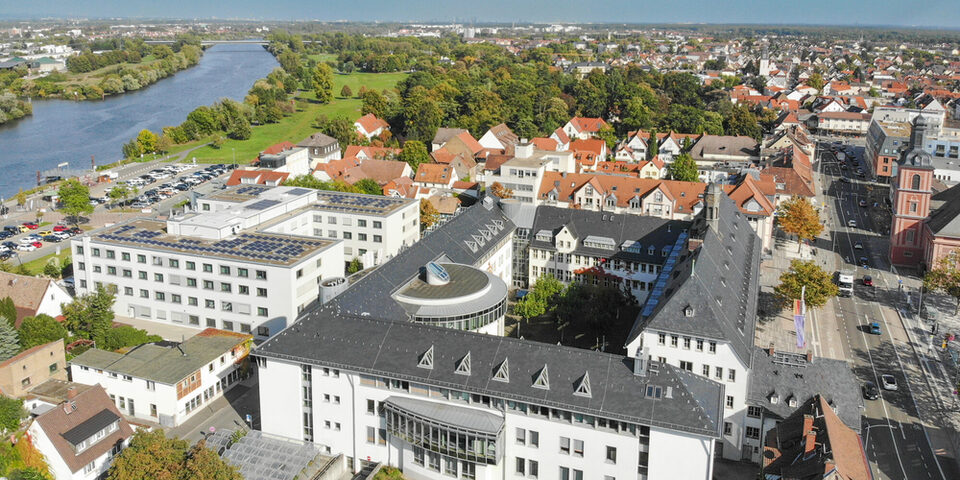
126	336
11	412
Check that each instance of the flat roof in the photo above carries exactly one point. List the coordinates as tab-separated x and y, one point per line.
359	203
265	248
464	280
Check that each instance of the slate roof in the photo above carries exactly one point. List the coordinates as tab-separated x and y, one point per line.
645	230
788	374
444	134
90	407
720	280
317	140
393	349
165	364
945	220
452	243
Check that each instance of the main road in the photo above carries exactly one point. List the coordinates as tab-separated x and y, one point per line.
896	442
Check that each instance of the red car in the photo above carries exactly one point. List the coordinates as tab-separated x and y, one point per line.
60	228
37	244
31	225
868	280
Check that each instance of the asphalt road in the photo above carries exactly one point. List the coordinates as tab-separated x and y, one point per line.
894	438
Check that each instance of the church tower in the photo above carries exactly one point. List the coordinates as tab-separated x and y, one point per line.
911	200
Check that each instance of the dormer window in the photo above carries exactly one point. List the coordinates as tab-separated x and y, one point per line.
688	311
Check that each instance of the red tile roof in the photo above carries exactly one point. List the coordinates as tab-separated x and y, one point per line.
434	173
588	124
547	144
592	145
259	177
371	152
371	123
278	147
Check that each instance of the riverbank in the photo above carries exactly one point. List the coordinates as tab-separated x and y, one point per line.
296	126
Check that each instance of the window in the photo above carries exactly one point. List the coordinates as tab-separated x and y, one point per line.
377	239
718	373
706	370
262	311
209	303
521	466
565	445
191	266
699	345
611	454
128	291
418	456
533	468
208	285
261	274
731	375
191	282
300	273
243	272
371	435
228	325
662	339
89	467
225	287
371	407
175	298
521	436
713	347
377	224
96	252
224	270
578	448
754	412
729	401
727	428
261	292
686	343
158	277
347	236
226	306
144	293
362	237
127	273
753	432
685	365
208	268
534	438
915	182
564	473
53	367
111	270
192	301
141	259
243	290
673	340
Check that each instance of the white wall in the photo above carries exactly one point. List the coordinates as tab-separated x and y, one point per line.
58	467
280	400
679	456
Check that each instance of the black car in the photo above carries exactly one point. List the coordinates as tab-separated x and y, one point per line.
870	391
10	245
5	234
75	231
52	238
14	229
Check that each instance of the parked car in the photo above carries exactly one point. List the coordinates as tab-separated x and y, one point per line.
76	230
888	381
31	225
852	223
6	234
26	247
864	262
867	281
12	228
61	235
52	238
28	239
870	391
844	179
874	328
858	245
60	228
10	245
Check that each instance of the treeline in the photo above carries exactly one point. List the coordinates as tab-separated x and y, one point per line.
89	61
12	108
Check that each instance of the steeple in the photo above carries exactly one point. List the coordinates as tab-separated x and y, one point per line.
917	157
712	205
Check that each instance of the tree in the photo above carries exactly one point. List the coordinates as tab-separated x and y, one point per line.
373	102
428	214
607	134
414	153
8	310
653	145
119	193
347	67
164	144
126	336
683	169
355	266
322	81
797	216
500	191
289	61
945	277
9	341
806	273
816	81
21	198
530	306
345	92
369	186
147	141
152	455
40	330
52	269
132	149
91	315
74	199
11	413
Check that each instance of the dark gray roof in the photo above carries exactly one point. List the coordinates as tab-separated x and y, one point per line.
945	220
317	140
620	228
451	243
90	426
719	280
444	134
467	418
393	349
788	374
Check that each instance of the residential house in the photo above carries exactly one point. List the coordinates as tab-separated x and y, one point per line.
165	382
368	152
32	367
524	172
294	161
583	127
257	177
813	444
443	135
843	123
33	296
563	140
435	175
80	437
370	126
500	137
321	148
380	171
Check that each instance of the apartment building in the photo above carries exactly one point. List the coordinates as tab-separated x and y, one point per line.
167	383
623	251
524	172
212	268
700	315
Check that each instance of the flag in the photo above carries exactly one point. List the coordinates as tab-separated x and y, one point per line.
799	312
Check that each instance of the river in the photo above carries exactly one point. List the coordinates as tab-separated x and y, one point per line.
65	131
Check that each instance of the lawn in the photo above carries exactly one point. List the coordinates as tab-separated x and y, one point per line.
298	126
322	57
94	77
35	267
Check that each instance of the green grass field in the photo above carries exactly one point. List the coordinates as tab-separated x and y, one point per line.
322	57
298	126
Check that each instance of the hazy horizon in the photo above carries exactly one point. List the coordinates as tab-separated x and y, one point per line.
934	14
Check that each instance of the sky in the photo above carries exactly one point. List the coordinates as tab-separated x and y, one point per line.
907	13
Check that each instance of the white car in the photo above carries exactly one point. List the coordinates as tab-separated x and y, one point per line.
852	223
888	382
858	245
61	235
26	247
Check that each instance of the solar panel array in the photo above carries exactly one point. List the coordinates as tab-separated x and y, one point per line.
661	283
260	458
357	203
263	204
252	190
251	246
299	191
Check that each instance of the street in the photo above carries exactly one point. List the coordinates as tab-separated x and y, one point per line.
896	439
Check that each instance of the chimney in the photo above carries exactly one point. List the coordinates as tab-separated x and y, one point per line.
809	356
809	434
71	393
771	350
